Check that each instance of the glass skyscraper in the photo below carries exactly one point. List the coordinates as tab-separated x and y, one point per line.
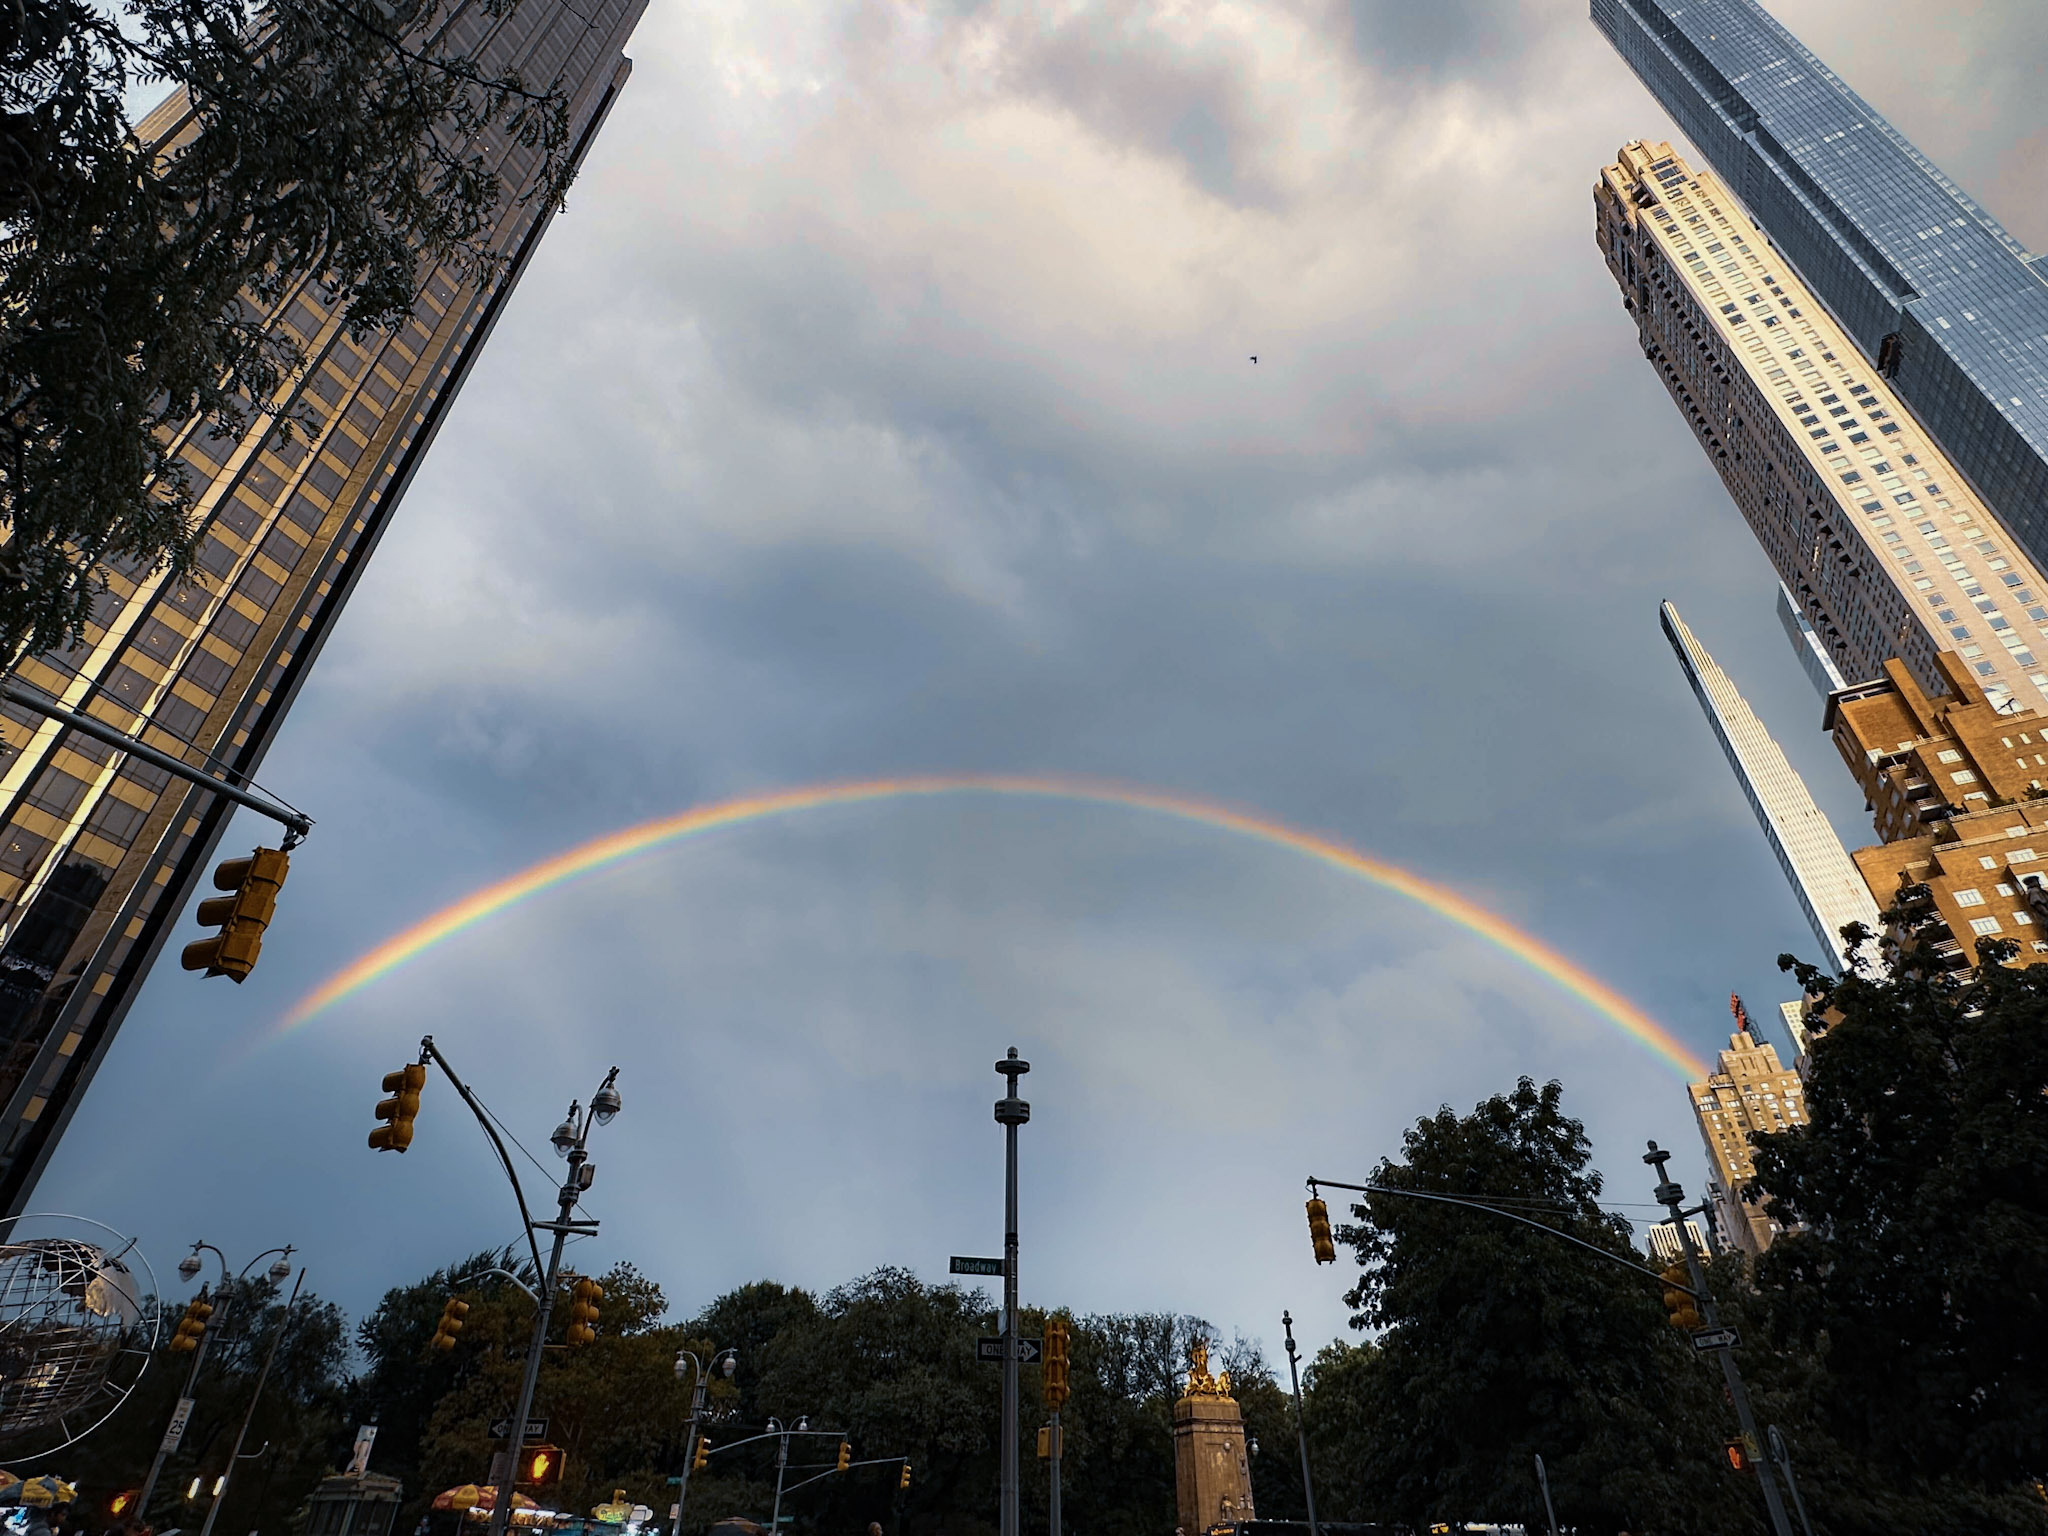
1948	305
98	852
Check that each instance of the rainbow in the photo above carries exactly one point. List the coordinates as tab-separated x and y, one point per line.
616	847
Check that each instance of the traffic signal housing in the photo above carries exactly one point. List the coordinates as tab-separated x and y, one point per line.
1738	1456
451	1323
1053	1364
1678	1299
398	1111
584	1296
1319	1235
192	1326
122	1504
540	1465
703	1457
241	916
904	1480
845	1456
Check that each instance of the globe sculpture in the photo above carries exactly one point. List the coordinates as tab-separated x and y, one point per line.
69	1311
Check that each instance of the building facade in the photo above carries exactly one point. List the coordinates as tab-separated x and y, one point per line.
1662	1242
1814	660
1750	1092
1956	791
1825	883
1885	549
99	853
1941	299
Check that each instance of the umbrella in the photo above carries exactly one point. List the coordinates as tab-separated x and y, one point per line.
42	1492
470	1496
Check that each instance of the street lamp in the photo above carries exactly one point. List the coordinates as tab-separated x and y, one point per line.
188	1270
726	1361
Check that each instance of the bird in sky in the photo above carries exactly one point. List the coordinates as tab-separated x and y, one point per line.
1255	359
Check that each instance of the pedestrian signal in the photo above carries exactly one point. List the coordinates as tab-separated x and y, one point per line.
904	1480
1738	1456
845	1456
192	1326
123	1503
1678	1298
252	885
703	1458
584	1296
398	1111
451	1323
1053	1367
1319	1232
540	1465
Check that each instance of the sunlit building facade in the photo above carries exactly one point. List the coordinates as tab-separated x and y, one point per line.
1936	295
1749	1093
98	852
1884	548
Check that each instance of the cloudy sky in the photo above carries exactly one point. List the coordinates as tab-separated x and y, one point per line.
882	404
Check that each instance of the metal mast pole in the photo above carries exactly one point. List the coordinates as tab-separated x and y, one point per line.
1056	1448
261	1377
690	1439
1671	1197
1308	1487
1011	1112
175	1430
781	1466
501	1509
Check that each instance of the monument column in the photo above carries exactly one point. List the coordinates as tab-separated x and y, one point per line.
1212	1476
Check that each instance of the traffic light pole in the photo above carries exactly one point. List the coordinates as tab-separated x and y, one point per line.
263	1376
1308	1486
698	1386
1053	1503
501	1507
1669	1195
1011	1112
182	1413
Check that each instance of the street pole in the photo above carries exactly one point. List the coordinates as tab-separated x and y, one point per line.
1669	1195
781	1466
1784	1459
731	1359
213	1510
1543	1482
182	1413
1056	1448
501	1509
1308	1486
1011	1112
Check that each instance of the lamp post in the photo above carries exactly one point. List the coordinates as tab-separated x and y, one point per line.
1011	1112
727	1361
1308	1487
188	1270
220	1491
571	1141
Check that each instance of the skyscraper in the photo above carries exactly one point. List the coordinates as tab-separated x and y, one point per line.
1750	1092
1824	881
99	852
1884	548
1947	304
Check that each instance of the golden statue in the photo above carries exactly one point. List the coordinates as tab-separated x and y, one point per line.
1212	1477
1200	1382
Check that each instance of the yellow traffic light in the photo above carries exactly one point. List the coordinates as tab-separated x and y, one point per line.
583	1299
241	915
703	1458
1319	1232
451	1323
904	1480
1677	1300
398	1111
845	1456
1053	1368
192	1325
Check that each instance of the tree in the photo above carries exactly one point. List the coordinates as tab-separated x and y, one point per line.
343	141
1498	1343
1918	1269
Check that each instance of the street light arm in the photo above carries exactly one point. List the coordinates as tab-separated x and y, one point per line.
835	1470
503	1274
431	1052
1494	1210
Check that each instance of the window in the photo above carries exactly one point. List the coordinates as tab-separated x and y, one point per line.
1984	925
1970	898
1985	861
1947	755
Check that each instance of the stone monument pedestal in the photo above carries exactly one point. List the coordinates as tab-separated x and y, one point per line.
1212	1475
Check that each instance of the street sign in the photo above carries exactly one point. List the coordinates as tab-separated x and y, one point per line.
1715	1338
536	1429
175	1430
359	1461
962	1266
1028	1350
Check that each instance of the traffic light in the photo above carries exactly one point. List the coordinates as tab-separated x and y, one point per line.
192	1325
540	1465
123	1503
1319	1232
1677	1300
398	1111
845	1456
584	1296
1053	1368
1738	1456
703	1455
252	885
904	1480
451	1323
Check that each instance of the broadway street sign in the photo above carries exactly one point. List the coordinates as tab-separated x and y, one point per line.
962	1266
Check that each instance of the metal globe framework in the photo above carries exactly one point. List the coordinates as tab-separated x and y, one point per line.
75	1336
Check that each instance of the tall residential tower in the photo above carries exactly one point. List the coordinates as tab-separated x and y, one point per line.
1945	303
99	852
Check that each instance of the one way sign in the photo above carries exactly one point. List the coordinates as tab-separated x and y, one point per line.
1028	1350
